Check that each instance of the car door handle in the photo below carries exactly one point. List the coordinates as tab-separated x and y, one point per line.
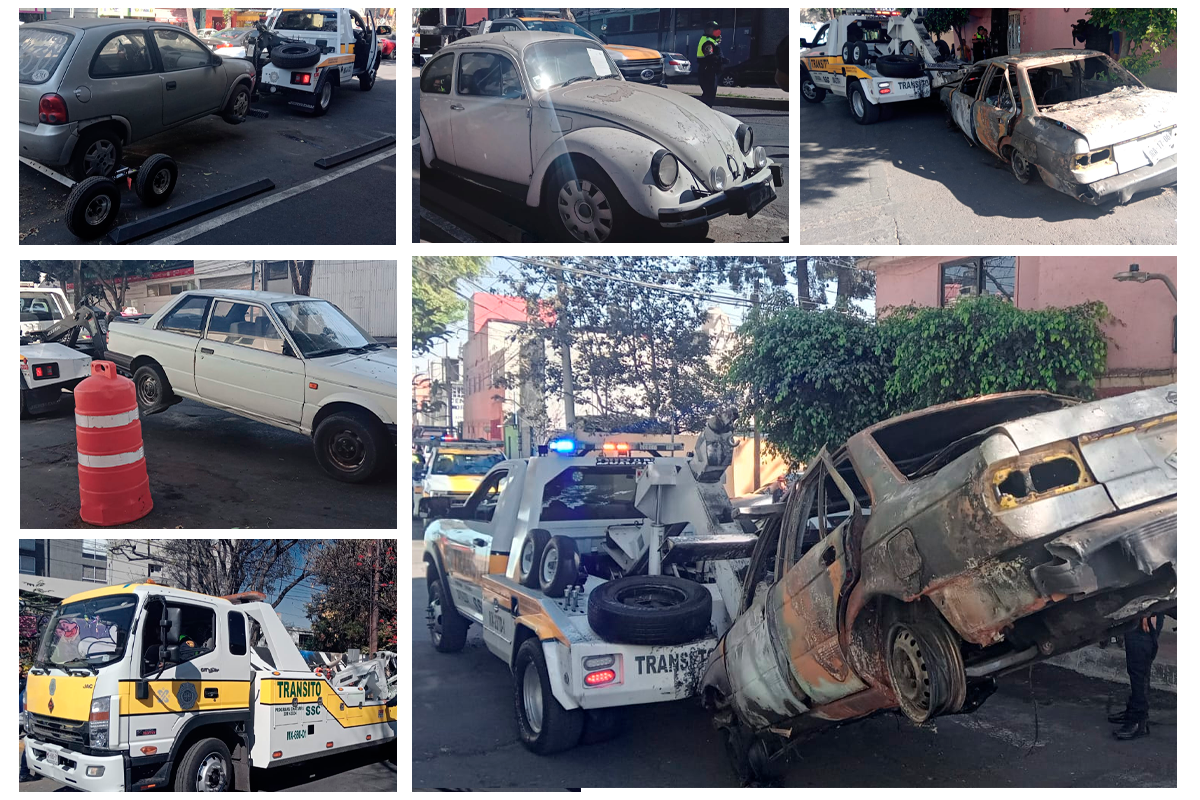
210	694
479	542
170	85
206	350
456	107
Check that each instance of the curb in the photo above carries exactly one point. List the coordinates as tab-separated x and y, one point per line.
1108	663
752	102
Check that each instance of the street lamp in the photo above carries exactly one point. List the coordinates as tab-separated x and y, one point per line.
1136	275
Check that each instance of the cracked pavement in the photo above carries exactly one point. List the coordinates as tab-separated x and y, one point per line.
912	181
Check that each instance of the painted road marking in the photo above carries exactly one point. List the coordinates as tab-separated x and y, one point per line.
416	141
270	200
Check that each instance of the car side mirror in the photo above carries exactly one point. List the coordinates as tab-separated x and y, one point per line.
251	39
217	60
803	42
287	350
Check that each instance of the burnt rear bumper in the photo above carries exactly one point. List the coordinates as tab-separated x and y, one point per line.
1126	185
1111	553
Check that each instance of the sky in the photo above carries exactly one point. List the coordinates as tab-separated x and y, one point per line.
291	610
490	282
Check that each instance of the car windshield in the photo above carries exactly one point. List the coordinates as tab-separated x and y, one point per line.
551	64
88	633
559	26
41	50
1081	78
465	463
232	33
307	20
319	328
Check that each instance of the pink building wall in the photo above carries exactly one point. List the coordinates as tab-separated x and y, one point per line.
483	415
1139	351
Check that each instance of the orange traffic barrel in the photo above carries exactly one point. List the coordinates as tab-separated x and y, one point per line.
113	485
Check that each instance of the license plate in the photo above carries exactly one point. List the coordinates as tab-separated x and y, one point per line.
1157	148
921	86
757	197
52	758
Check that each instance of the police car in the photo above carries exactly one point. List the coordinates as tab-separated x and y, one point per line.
563	559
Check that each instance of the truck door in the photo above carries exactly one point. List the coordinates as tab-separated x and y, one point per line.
186	666
994	109
466	549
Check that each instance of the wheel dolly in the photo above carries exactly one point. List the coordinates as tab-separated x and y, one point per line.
93	203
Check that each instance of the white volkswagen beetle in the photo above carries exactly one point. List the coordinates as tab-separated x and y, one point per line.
547	118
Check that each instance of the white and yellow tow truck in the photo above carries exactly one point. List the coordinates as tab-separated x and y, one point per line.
601	572
141	686
449	470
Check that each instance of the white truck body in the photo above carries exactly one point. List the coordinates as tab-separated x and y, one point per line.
104	713
41	307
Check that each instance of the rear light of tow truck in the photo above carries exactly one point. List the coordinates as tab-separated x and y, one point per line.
600	677
600	670
302	78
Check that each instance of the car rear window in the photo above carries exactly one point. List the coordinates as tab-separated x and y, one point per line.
41	50
585	493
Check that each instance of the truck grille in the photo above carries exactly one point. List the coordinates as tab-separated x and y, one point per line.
58	731
632	70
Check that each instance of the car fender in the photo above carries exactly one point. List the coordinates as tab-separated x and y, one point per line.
126	127
245	78
623	155
361	399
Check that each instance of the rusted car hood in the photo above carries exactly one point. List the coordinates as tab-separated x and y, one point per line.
1117	116
692	131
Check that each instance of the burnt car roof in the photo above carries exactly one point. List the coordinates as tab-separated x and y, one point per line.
1044	57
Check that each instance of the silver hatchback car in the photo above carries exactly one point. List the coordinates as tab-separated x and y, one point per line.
91	86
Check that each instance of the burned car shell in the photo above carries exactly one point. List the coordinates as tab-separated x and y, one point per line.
515	145
996	569
1093	148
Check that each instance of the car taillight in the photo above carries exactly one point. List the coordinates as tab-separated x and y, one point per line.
52	109
600	677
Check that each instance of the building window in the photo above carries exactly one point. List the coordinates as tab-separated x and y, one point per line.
972	277
93	574
95	549
167	289
28	565
28	544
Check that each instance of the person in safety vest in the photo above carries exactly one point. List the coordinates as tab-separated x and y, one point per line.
981	45
709	61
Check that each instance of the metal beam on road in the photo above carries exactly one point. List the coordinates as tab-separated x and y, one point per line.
153	224
354	152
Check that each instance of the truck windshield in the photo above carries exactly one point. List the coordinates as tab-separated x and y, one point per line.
88	633
465	463
319	328
310	20
41	307
556	62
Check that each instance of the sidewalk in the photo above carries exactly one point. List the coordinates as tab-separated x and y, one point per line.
1108	663
765	97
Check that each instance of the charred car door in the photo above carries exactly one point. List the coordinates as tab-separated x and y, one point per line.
962	100
995	109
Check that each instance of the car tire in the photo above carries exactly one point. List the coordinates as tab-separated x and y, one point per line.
205	767
447	628
650	610
566	194
156	179
367	79
98	152
809	91
323	96
925	667
1021	169
238	107
559	566
348	445
847	56
92	207
860	107
153	391
602	725
897	66
531	556
859	53
295	55
543	724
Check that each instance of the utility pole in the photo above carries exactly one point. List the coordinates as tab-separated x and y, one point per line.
755	298
78	284
564	339
449	384
373	628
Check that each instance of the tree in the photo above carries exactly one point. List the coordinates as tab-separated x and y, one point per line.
226	566
1146	33
107	282
340	609
436	301
301	275
943	20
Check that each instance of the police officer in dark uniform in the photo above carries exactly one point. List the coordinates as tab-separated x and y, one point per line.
708	59
1141	646
981	46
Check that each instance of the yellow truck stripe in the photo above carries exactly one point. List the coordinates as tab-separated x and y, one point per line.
164	697
282	691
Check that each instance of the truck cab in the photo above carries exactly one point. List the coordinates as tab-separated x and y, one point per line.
142	686
449	472
601	577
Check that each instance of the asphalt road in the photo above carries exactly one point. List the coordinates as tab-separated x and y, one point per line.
911	180
208	469
362	771
309	205
468	201
1053	734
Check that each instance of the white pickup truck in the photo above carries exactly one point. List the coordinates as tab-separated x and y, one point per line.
295	362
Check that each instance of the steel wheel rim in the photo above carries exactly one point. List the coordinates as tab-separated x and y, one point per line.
242	104
531	698
910	670
346	449
808	89
1019	164
434	613
101	157
651	597
858	102
162	179
527	557
326	94
210	775
573	195
98	209
549	564
148	390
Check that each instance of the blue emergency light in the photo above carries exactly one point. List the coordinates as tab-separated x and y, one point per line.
564	446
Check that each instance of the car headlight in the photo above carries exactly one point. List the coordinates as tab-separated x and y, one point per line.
760	157
665	169
716	179
27	723
98	723
745	137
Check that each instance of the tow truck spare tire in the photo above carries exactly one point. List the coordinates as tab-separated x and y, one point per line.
893	66
295	55
531	556
559	566
650	609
